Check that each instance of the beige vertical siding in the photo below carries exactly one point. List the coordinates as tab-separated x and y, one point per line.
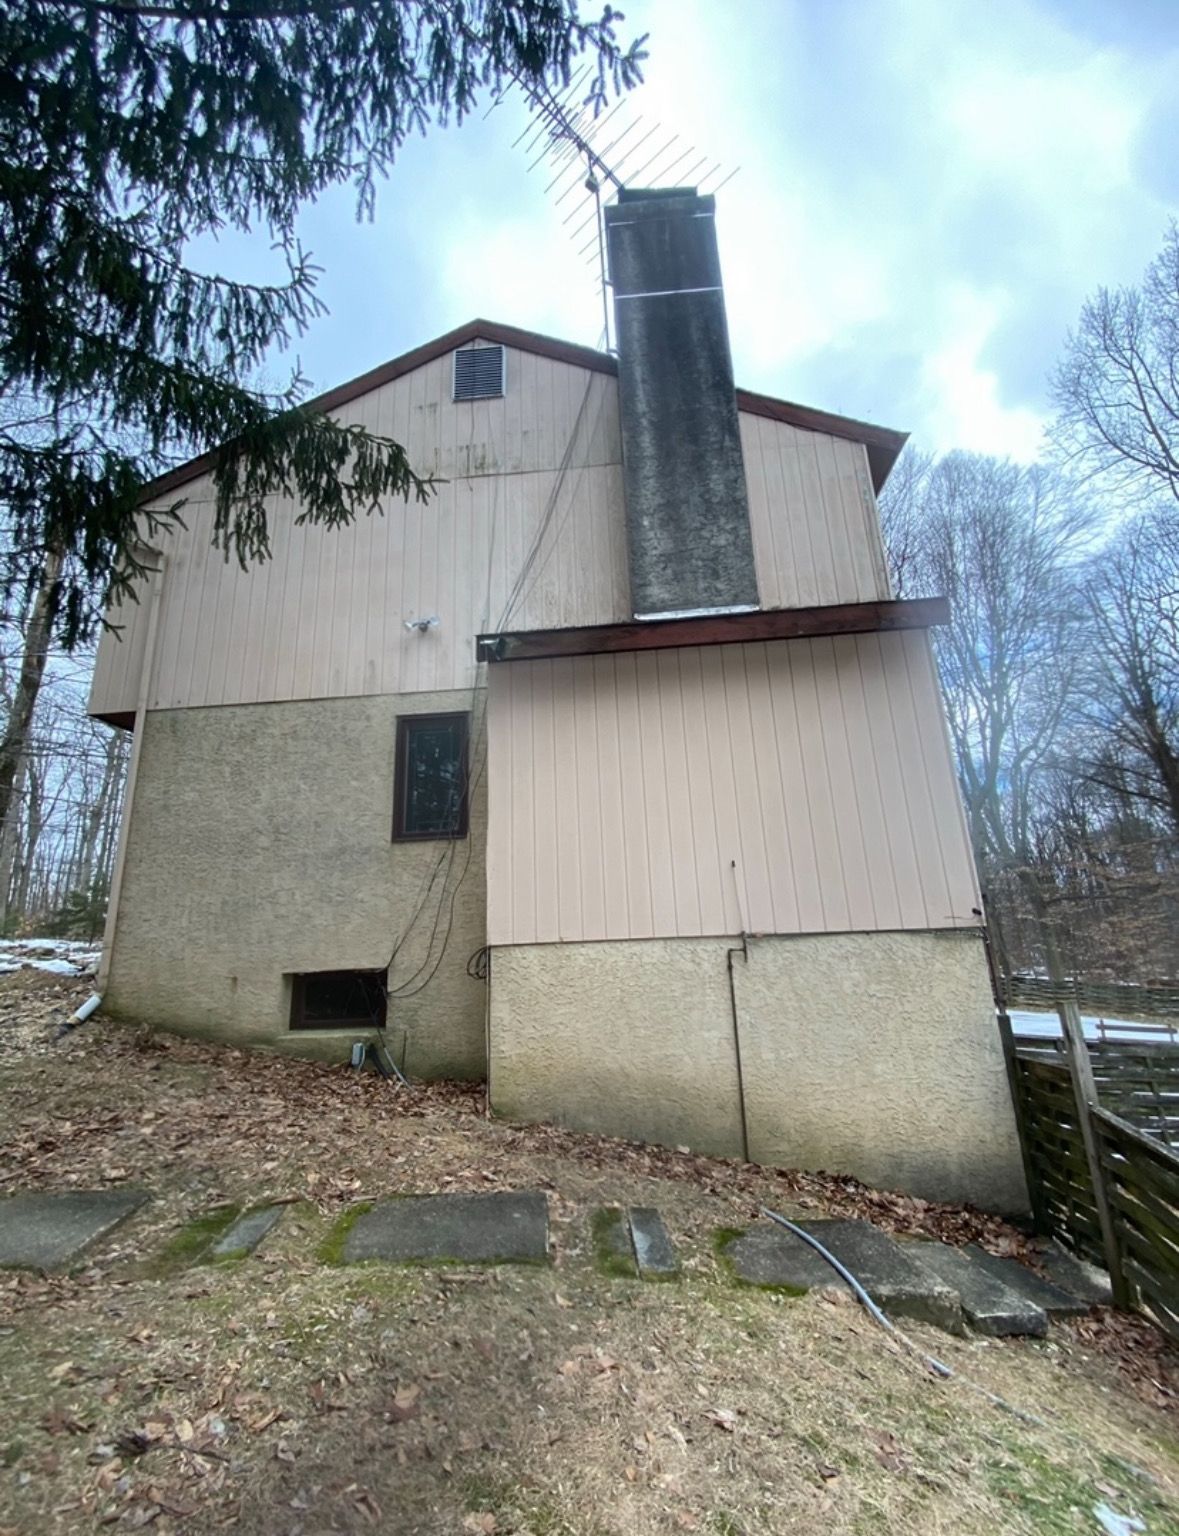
799	786
325	616
114	689
816	533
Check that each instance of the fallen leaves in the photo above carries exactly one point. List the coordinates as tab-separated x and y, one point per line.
404	1404
1143	1357
267	1419
482	1524
889	1451
61	1421
722	1418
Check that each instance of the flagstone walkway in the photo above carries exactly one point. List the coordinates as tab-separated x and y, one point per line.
949	1287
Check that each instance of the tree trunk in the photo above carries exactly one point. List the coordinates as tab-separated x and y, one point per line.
36	646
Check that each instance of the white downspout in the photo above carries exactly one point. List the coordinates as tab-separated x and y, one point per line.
145	681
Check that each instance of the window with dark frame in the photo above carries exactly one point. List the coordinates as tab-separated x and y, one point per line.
338	1000
430	777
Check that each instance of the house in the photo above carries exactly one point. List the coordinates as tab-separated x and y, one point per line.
614	772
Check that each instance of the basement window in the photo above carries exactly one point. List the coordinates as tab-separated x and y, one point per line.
478	373
430	777
338	1000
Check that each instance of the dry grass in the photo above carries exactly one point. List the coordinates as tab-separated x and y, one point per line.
284	1395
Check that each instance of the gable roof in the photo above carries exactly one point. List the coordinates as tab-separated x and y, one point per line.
882	443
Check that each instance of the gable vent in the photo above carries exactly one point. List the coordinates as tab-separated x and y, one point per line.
478	373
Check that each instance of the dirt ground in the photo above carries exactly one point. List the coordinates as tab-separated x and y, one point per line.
287	1395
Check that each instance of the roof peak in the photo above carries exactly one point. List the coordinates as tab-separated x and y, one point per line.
882	443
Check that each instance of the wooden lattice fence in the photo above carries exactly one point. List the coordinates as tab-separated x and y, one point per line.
1139	1171
1105	999
1063	1201
1142	1180
1136	1081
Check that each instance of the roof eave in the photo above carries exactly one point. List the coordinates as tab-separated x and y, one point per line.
714	629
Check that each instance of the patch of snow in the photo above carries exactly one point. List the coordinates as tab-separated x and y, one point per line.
34	943
56	967
1114	1524
1047	1026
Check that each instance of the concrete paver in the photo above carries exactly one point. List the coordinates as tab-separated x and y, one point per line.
1084	1281
466	1229
769	1255
654	1250
1053	1300
47	1231
247	1232
990	1306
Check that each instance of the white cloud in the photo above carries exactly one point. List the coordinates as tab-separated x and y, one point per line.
927	190
963	408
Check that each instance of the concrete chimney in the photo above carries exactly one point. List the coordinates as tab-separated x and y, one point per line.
687	512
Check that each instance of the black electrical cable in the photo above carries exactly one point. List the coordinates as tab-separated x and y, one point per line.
406	989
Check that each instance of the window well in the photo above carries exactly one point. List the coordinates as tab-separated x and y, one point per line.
478	373
338	1000
430	777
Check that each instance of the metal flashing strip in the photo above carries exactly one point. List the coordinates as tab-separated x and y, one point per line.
666	218
696	613
663	293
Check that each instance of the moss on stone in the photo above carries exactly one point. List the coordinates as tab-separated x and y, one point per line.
613	1254
331	1249
192	1242
722	1240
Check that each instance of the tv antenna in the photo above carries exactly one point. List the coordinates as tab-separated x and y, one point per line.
591	155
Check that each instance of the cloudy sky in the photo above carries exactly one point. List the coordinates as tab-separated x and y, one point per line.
926	190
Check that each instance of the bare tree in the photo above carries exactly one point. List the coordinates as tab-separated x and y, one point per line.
1001	542
1131	684
34	626
1117	387
902	507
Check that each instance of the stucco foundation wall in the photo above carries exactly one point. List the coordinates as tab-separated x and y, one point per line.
260	845
632	1038
875	1055
878	1055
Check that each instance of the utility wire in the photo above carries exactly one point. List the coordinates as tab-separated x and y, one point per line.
477	742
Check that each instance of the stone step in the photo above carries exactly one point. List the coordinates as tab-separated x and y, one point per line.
633	1242
1032	1287
990	1306
500	1228
654	1250
246	1232
48	1231
1084	1281
768	1255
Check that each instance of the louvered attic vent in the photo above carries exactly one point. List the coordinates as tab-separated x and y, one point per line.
478	373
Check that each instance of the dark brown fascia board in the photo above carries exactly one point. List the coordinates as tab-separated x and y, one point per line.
883	445
714	629
123	720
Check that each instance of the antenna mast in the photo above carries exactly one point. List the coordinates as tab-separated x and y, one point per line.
588	151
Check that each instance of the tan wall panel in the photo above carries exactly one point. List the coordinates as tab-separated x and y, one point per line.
626	1039
324	617
114	688
791	787
873	1055
260	845
816	532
